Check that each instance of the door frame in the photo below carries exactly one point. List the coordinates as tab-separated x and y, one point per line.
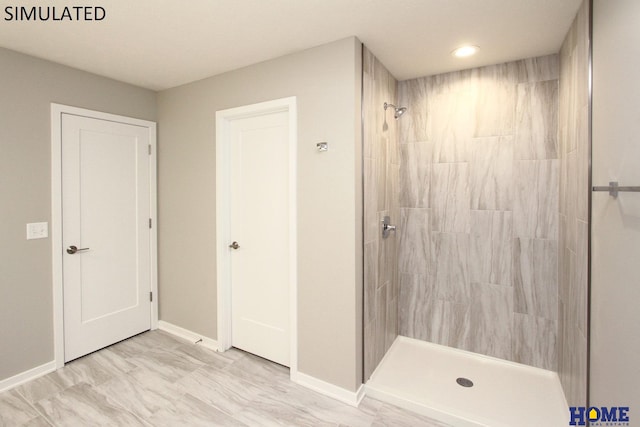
56	215
224	118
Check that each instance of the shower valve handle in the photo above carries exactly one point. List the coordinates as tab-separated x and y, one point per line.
387	227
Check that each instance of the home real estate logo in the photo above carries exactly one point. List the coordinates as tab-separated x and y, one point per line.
54	13
599	416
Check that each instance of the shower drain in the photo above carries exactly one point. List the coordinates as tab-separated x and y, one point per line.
464	382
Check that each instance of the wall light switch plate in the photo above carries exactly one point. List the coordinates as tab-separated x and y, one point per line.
37	230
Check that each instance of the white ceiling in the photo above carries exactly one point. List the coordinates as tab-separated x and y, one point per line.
160	44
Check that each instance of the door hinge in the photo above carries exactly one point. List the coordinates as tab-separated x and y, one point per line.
151	296
149	149
150	223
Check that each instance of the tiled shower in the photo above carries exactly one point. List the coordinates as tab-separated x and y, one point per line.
486	178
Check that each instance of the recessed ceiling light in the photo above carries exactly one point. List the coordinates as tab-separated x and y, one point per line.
464	51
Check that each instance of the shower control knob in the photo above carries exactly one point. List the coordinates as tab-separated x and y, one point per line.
387	227
234	245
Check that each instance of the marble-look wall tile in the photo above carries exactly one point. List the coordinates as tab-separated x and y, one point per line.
393	156
492	173
416	292
535	279
571	113
563	261
431	319
382	306
381	197
561	343
414	241
535	212
413	95
450	197
387	259
446	172
391	323
458	322
571	196
583	160
579	370
368	95
567	356
451	124
370	354
580	283
538	69
393	187
574	193
415	175
449	266
370	279
491	247
371	222
534	341
394	215
495	98
563	178
564	126
447	323
437	324
582	52
537	121
381	142
491	317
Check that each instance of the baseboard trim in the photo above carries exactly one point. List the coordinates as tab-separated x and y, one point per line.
25	376
188	335
331	390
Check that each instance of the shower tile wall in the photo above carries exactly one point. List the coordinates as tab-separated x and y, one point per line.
478	226
381	180
574	208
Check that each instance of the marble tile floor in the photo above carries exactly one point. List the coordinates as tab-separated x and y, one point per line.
156	379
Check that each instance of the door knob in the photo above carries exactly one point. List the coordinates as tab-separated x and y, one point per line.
73	249
234	245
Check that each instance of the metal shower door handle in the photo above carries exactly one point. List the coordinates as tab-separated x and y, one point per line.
613	188
73	249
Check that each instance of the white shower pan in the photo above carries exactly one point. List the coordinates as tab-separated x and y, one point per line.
421	377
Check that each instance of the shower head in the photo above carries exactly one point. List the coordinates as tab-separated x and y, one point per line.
398	111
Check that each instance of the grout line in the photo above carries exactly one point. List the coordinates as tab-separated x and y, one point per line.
43	416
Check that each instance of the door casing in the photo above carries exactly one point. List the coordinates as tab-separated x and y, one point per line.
56	215
223	220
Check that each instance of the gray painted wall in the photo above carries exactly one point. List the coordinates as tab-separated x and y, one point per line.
326	81
27	87
615	223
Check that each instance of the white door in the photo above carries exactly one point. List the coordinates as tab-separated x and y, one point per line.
260	279
615	266
105	215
